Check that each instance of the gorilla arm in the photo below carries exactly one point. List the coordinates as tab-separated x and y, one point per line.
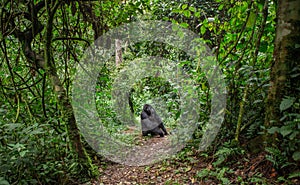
150	127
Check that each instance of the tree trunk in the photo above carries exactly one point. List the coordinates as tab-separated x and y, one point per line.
63	100
286	62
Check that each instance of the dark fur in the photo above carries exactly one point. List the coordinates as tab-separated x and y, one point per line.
151	122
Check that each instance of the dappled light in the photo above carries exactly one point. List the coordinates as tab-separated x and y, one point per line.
149	92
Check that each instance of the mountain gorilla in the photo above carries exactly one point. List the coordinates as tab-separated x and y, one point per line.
151	122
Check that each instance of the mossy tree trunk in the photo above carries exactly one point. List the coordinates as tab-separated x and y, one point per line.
46	62
63	100
286	63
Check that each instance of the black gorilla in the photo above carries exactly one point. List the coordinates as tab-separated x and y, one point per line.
151	122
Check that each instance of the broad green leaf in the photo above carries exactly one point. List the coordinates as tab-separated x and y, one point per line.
296	156
184	25
23	153
202	30
187	13
3	181
285	130
192	9
176	10
221	7
294	135
287	103
184	6
175	27
233	21
272	130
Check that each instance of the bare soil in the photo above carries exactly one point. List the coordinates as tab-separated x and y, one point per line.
184	170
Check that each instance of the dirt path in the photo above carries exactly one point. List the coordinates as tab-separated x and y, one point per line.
171	172
147	152
185	170
162	172
182	169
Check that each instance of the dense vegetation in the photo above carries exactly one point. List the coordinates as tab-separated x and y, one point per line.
42	43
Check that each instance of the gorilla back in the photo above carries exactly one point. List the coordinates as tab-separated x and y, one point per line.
151	122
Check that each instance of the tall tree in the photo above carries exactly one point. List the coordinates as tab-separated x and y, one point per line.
62	96
45	61
285	69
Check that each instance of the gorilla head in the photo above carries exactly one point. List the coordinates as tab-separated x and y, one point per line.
151	122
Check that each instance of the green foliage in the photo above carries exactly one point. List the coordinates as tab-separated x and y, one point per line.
294	175
219	174
278	159
287	103
243	48
226	153
287	153
150	88
32	149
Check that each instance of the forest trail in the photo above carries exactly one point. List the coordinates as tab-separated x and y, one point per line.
191	168
162	172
